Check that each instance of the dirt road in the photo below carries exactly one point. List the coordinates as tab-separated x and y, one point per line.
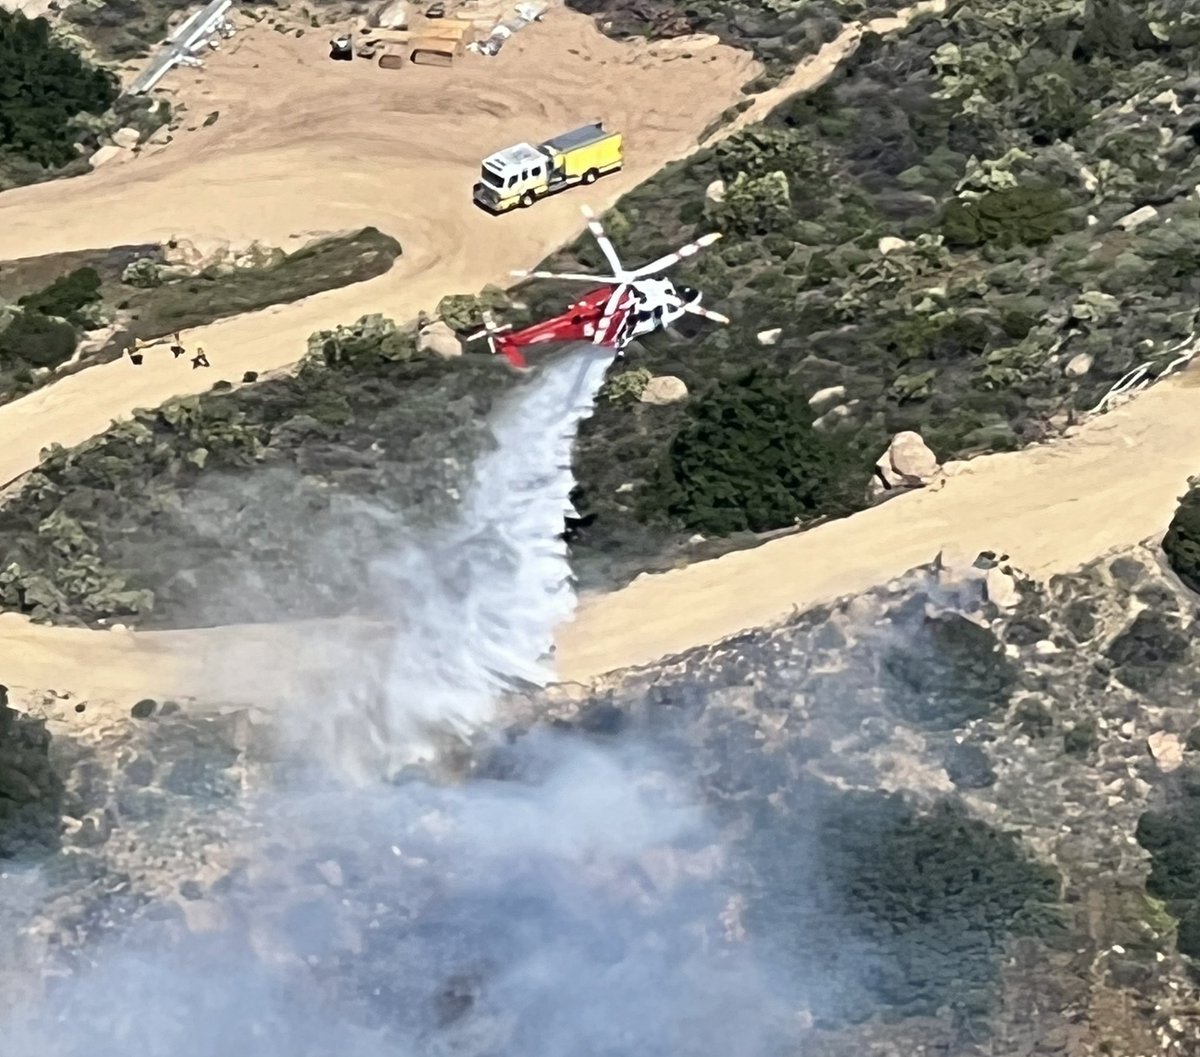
1052	508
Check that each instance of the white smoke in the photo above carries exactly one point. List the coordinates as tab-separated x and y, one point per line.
572	909
570	904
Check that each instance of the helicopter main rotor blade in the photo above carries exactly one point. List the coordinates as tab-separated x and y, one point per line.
696	310
574	277
690	250
604	242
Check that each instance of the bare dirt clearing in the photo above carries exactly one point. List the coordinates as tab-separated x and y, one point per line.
304	145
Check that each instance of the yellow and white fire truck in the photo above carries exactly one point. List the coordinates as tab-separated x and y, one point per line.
520	175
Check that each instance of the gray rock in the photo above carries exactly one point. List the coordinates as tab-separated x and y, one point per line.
1078	365
105	154
908	461
1167	750
126	138
825	398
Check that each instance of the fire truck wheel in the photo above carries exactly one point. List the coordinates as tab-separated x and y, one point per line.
591	176
527	200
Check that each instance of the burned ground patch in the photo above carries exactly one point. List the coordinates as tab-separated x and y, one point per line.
950	672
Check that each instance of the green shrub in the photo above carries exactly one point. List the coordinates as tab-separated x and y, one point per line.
1033	719
1169	835
36	340
66	295
626	387
1082	739
1015	216
928	899
158	309
950	673
748	458
1182	541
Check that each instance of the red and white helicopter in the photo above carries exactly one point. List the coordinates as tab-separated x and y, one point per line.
634	302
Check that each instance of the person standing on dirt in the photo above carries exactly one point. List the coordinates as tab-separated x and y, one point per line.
199	360
135	352
177	349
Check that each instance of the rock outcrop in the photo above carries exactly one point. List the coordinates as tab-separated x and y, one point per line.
908	463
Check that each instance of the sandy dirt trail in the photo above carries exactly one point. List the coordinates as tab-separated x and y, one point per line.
1051	508
304	145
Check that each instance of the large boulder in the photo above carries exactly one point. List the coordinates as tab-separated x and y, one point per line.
105	154
908	462
438	337
665	389
126	138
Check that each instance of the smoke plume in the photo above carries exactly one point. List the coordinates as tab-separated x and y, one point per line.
565	899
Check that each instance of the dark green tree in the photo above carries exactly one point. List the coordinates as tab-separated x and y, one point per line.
43	88
748	457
